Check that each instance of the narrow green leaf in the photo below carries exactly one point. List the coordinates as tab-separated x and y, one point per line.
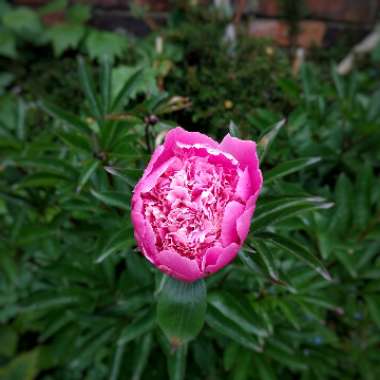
266	141
119	240
137	328
86	174
77	142
373	304
43	180
363	196
105	83
233	129
218	322
341	219
243	366
297	250
276	211
266	259
181	309
289	167
66	117
129	87
230	356
263	369
238	312
20	120
141	356
87	83
117	362
113	198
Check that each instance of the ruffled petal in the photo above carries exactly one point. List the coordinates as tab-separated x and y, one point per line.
245	152
232	212
218	257
178	266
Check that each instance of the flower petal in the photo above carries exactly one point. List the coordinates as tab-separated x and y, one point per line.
244	186
245	152
218	257
178	266
232	212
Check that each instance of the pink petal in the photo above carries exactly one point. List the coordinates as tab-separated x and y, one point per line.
190	138
179	135
218	257
178	266
245	152
147	183
244	223
152	163
148	244
244	186
232	212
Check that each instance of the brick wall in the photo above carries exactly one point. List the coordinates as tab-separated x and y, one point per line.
324	20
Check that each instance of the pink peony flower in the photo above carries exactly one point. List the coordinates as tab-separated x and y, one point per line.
193	206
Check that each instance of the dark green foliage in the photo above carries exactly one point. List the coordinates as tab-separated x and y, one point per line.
78	301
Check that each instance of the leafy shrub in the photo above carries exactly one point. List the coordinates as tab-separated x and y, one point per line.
81	301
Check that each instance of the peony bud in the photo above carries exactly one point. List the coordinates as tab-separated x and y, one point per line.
193	206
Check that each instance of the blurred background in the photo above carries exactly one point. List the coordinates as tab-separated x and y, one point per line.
89	88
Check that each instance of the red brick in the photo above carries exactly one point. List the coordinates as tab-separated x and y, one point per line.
268	8
155	5
361	11
311	32
53	18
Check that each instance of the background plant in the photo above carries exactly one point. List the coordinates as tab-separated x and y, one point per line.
78	301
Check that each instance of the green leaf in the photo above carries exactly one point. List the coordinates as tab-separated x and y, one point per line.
141	356
233	129
181	309
238	312
272	212
297	250
363	196
289	167
113	198
88	87
266	259
8	339
77	142
129	87
343	195
266	141
100	43
177	363
289	360
230	356
117	362
79	13
137	328
20	120
22	367
105	83
42	180
66	117
227	327
65	36
120	240
7	44
373	304
263	369
86	174
23	20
